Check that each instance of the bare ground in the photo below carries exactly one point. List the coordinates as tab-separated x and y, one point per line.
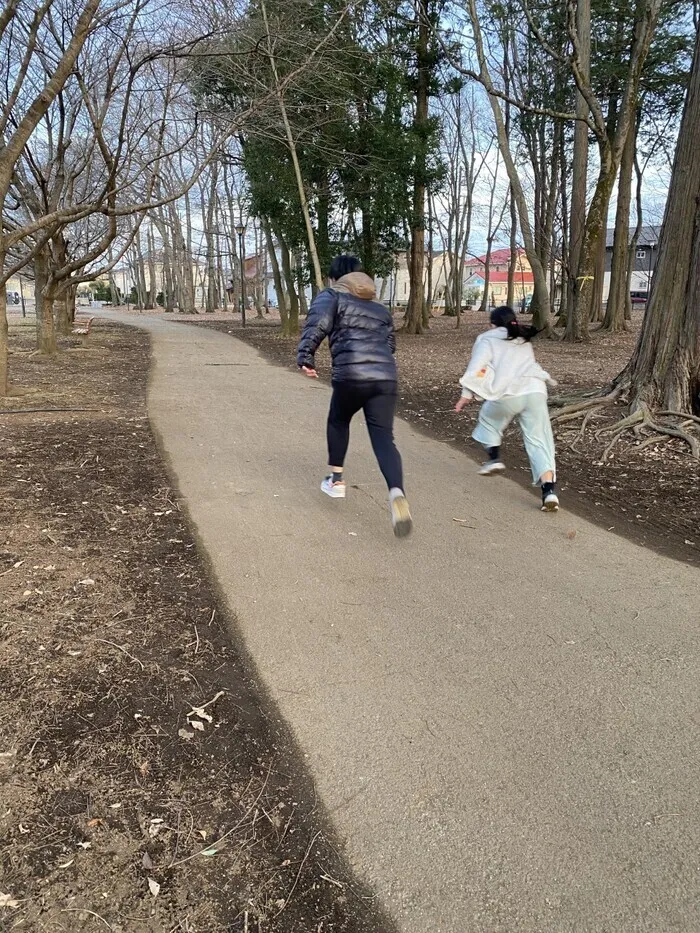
649	495
147	784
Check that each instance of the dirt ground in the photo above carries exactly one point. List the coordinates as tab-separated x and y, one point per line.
649	495
147	785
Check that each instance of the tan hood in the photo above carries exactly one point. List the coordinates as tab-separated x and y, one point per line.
357	284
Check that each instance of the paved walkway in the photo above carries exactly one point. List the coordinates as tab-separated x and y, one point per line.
502	719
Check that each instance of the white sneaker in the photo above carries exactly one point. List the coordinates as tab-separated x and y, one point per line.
492	468
334	490
400	515
550	502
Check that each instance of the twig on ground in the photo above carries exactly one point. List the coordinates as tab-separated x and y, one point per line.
301	868
213	845
122	648
84	910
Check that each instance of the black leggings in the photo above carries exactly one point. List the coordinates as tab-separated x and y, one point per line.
378	401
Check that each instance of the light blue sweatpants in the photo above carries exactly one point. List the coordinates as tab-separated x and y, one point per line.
533	417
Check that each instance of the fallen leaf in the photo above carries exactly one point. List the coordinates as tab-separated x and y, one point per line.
203	834
114	806
67	864
85	845
94	822
86	582
146	861
153	887
196	724
184	734
7	900
210	852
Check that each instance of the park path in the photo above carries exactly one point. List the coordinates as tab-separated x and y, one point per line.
501	713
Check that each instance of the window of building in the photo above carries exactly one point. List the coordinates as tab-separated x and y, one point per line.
641	254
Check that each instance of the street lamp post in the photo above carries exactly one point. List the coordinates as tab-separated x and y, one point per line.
240	230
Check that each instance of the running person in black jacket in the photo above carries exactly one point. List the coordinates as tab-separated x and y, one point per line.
360	332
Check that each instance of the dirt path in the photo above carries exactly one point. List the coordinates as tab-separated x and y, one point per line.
501	712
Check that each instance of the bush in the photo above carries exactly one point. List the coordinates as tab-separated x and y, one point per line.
101	292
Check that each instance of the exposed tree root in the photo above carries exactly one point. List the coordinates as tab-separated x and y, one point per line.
574	409
640	421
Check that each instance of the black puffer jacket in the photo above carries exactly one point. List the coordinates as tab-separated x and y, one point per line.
360	331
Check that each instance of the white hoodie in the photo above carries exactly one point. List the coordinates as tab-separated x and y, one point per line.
501	367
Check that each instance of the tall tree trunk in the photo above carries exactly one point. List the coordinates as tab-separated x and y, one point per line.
646	17
541	296
665	369
188	275
220	271
64	325
301	290
510	298
168	270
276	275
4	374
313	253
152	293
485	303
43	297
140	273
620	272
415	311
293	299
633	244
565	257
71	295
212	277
427	305
260	297
576	326
275	266
596	311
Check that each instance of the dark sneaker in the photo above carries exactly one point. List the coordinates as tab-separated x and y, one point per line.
550	501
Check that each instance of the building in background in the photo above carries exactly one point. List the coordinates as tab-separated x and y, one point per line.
644	261
524	286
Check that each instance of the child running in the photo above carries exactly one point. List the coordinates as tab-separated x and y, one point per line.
504	373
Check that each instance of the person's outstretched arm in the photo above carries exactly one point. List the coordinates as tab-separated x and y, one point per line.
475	371
319	324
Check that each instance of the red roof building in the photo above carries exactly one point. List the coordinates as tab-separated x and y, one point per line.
499	261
